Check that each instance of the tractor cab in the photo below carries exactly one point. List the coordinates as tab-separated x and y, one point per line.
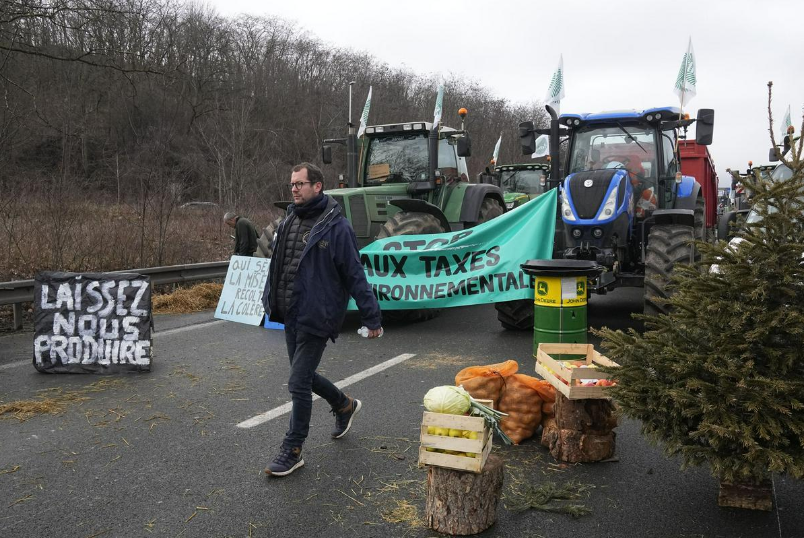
400	153
521	182
413	173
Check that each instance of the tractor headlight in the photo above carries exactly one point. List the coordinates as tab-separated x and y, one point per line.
610	206
597	233
566	210
577	233
510	205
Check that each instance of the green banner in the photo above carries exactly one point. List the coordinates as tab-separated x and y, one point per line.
474	266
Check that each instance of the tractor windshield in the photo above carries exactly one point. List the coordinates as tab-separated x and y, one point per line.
628	146
524	181
397	159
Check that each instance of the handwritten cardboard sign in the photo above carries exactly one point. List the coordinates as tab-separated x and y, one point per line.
96	323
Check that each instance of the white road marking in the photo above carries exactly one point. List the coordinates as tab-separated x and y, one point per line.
155	334
285	408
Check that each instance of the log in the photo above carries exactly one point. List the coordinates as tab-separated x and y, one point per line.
750	495
463	503
581	430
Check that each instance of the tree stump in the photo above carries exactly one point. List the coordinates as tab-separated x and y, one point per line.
462	503
750	495
581	430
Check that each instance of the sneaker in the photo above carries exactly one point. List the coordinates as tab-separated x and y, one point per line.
288	460
343	418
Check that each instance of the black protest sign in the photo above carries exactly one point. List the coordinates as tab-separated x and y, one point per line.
97	323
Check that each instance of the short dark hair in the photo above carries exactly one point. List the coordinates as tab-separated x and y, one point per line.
314	173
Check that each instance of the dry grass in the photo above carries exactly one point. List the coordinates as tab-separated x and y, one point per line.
54	401
70	230
185	300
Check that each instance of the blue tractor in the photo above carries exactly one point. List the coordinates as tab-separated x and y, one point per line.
624	199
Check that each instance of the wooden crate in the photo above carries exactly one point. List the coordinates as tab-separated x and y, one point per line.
557	374
480	447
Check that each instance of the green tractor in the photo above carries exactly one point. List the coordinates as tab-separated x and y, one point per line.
521	182
407	179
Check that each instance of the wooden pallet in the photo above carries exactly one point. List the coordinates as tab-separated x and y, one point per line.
568	380
480	447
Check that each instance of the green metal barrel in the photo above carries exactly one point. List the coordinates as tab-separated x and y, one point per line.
560	298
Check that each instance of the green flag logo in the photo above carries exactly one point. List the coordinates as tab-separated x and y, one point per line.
686	74
556	85
542	145
687	80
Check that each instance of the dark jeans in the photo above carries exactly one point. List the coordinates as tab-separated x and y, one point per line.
304	351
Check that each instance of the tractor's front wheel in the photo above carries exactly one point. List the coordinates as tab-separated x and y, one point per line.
700	221
668	246
266	239
410	223
489	209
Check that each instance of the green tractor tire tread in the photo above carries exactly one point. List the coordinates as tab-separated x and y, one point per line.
410	223
266	239
668	245
700	220
489	209
515	315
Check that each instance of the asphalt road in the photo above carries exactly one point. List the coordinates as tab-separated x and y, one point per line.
160	454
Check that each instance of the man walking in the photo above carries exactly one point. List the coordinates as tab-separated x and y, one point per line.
245	234
315	268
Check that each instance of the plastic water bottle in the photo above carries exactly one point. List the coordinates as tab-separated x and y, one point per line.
364	331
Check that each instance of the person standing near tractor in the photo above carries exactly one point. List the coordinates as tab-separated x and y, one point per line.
245	234
315	268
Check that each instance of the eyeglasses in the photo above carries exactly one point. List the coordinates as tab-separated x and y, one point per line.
298	184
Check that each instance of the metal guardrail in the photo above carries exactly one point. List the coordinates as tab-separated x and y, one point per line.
22	291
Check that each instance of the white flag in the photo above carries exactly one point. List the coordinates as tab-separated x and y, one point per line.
555	91
542	146
439	103
496	153
686	81
364	115
786	122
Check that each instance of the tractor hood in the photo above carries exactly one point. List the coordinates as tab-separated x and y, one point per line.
588	191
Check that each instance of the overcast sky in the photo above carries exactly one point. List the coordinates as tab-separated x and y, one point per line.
619	54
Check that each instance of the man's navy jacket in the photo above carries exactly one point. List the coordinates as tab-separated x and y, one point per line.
329	272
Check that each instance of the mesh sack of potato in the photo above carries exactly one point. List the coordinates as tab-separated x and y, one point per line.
486	382
522	398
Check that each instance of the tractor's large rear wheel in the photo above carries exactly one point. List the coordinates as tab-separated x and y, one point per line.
512	315
266	239
515	315
668	246
410	223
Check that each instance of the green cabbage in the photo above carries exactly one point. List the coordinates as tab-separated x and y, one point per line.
448	399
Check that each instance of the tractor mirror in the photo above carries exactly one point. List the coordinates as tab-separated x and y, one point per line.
772	156
465	146
527	139
704	127
326	154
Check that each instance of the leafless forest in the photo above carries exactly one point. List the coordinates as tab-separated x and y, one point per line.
115	113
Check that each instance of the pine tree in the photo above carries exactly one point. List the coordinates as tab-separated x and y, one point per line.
720	380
